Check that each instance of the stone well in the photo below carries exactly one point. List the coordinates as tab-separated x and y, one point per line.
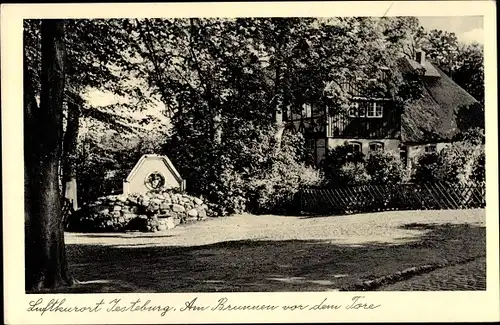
152	173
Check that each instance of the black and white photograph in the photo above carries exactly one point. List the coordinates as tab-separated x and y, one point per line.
326	154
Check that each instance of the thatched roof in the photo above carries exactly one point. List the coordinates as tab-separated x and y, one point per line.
432	118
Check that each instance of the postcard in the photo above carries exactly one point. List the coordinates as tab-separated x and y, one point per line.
250	162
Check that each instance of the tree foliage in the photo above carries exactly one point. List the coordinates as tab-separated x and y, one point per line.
223	80
218	76
343	167
469	71
464	63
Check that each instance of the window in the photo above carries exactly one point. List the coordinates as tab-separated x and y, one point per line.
355	146
374	110
366	109
353	110
288	114
431	148
357	109
306	110
376	146
362	109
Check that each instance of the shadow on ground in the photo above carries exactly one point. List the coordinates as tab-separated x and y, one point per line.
125	235
258	266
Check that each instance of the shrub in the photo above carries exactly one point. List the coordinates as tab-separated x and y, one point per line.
461	162
271	176
479	172
426	167
385	167
334	166
91	171
474	136
247	171
227	191
269	188
353	174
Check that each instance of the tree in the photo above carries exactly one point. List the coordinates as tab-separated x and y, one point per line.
45	258
404	34
464	63
220	76
442	47
92	62
469	71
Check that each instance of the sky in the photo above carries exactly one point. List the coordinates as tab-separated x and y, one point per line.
468	29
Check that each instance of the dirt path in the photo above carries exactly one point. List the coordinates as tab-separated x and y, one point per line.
383	227
271	253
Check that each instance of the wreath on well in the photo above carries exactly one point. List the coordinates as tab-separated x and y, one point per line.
155	181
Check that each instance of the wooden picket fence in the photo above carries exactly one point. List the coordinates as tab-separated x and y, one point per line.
372	198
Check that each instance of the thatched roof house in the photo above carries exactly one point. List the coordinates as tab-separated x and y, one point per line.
433	117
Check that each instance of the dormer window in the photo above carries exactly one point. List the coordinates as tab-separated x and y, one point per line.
362	110
374	110
366	109
420	57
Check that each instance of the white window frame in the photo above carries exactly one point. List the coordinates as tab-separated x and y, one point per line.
379	146
356	144
362	109
307	110
354	110
431	148
375	110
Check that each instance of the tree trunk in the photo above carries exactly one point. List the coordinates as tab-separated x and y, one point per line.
279	91
46	265
70	143
278	109
217	125
30	167
214	111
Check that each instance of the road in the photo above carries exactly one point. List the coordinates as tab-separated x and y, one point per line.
463	277
249	253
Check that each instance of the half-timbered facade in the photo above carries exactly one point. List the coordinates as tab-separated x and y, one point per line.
374	123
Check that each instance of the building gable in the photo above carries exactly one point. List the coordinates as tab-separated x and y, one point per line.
152	168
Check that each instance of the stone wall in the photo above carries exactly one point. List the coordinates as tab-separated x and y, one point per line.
140	212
